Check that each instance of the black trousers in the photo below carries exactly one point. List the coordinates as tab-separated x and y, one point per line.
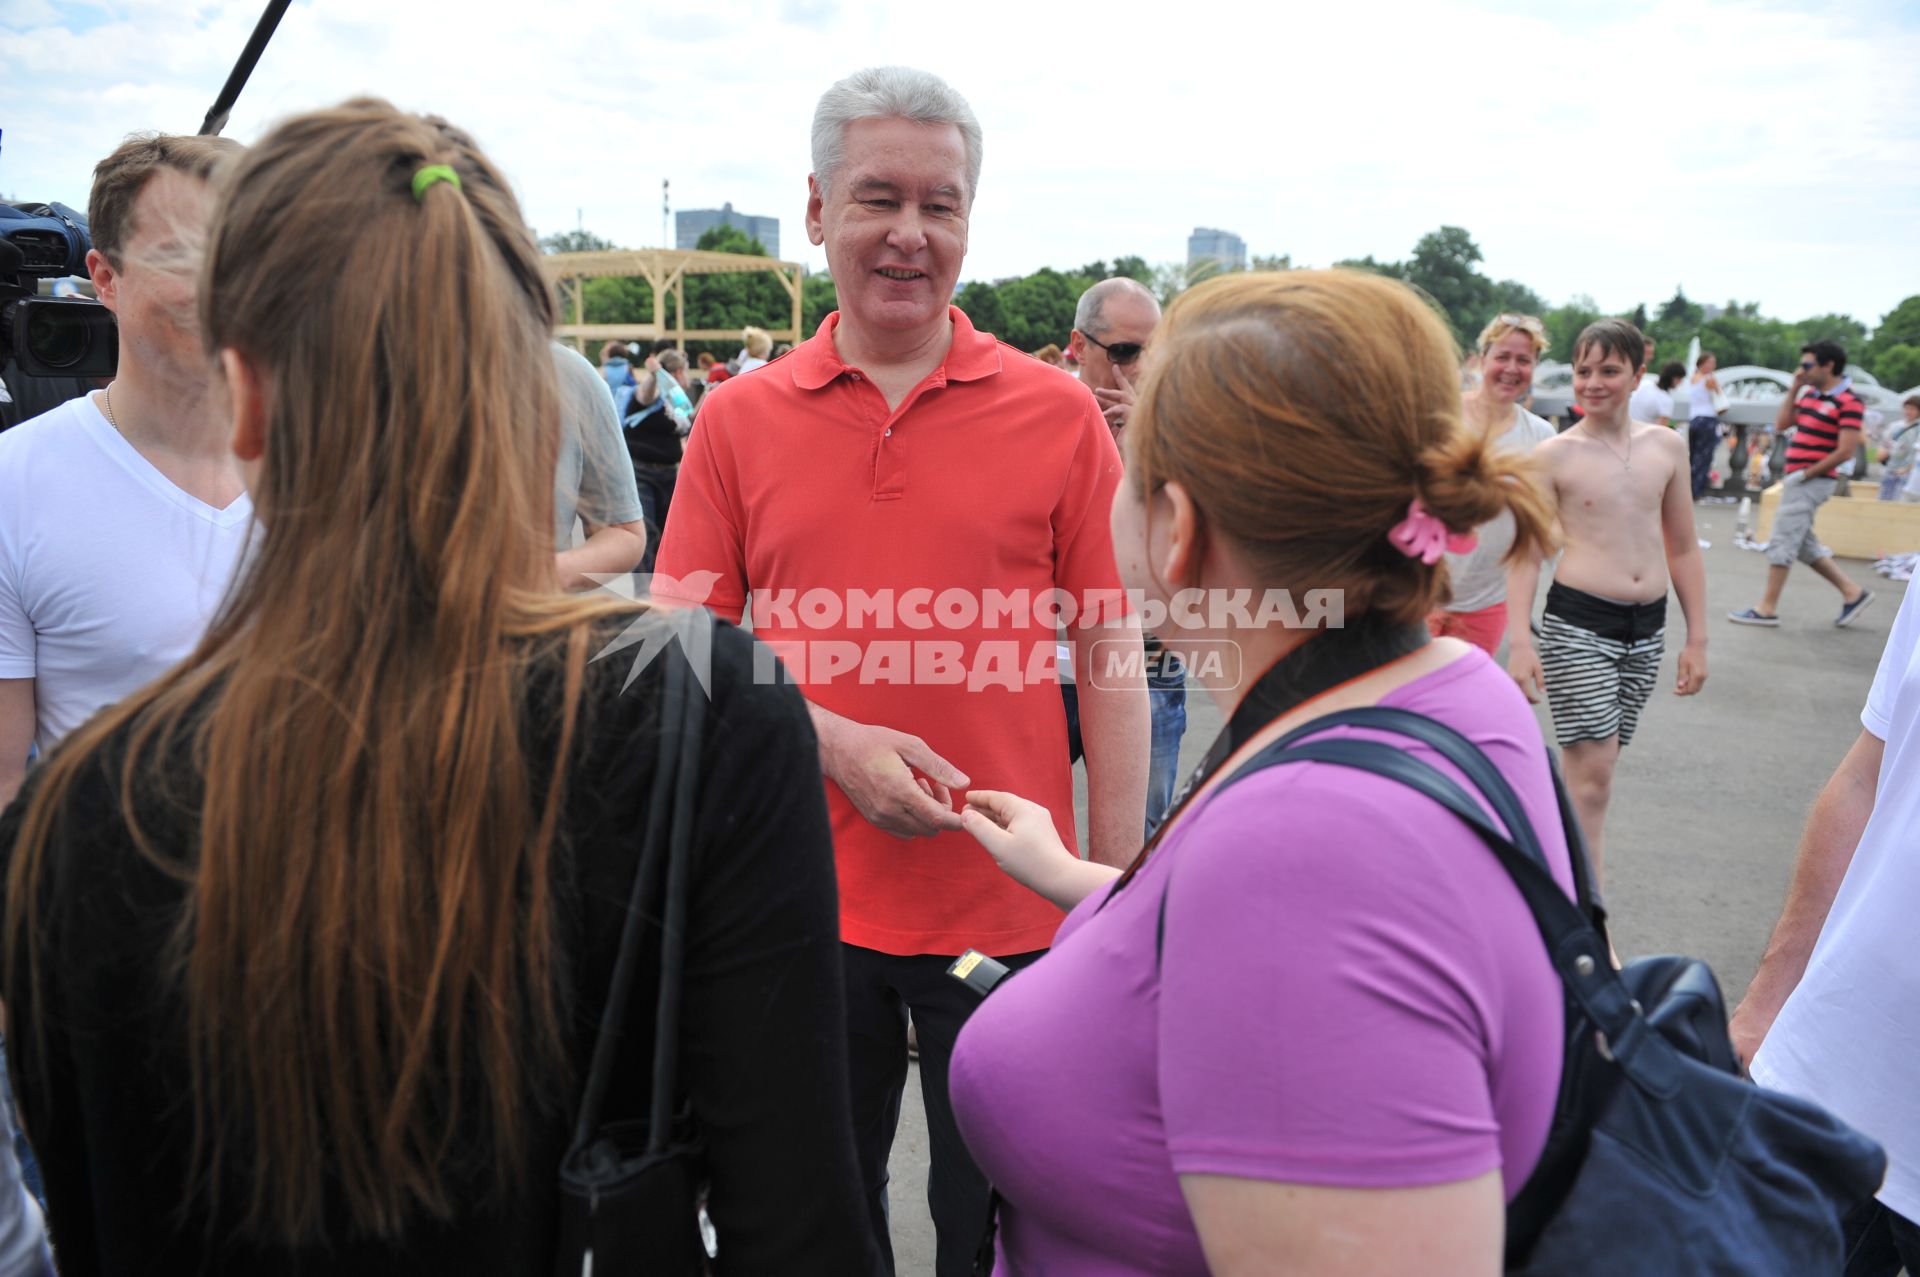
883	989
655	484
1703	433
1880	1242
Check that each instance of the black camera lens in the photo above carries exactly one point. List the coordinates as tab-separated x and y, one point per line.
59	336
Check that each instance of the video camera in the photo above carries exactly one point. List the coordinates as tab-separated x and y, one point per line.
50	336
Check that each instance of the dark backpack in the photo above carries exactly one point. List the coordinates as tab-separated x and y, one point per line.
1661	1156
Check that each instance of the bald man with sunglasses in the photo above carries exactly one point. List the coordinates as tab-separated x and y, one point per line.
1111	326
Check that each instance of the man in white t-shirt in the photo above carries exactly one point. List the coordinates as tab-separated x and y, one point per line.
598	525
122	513
1834	1013
1653	401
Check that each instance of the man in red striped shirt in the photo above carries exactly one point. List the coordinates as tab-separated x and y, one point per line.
1826	416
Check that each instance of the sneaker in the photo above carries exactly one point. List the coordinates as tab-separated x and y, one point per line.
1853	609
1751	616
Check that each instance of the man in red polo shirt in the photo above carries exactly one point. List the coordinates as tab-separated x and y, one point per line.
914	509
1826	417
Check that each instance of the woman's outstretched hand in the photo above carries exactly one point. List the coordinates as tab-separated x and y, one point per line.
1021	838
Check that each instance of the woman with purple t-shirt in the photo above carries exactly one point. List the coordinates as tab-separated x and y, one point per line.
1314	1029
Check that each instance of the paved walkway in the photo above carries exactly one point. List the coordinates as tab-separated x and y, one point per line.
1708	802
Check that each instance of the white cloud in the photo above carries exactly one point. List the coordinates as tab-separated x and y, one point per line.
1742	150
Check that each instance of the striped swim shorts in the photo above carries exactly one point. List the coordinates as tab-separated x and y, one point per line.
1600	659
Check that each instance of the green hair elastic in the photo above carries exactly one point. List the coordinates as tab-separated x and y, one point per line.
429	175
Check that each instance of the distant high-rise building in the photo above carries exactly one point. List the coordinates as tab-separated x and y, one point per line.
1223	248
689	224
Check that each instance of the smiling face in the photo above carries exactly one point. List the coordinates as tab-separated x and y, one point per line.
894	223
1603	380
1506	369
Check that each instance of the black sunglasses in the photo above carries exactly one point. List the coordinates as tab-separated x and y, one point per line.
1121	352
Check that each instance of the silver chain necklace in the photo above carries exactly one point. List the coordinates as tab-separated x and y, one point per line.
1626	462
106	407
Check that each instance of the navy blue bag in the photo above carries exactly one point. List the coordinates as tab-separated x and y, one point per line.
1662	1157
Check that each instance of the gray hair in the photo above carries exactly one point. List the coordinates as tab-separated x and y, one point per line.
883	93
673	360
1090	316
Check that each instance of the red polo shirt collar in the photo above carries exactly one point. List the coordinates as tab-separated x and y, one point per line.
972	355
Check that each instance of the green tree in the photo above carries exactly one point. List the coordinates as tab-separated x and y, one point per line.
1898	327
1282	261
734	301
817	300
1169	279
1845	329
1742	336
1445	266
1680	312
580	241
730	239
1565	322
1512	296
1898	368
1392	270
1038	308
617	299
979	301
1134	268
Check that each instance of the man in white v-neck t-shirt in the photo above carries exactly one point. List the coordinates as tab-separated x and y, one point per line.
1834	1012
123	514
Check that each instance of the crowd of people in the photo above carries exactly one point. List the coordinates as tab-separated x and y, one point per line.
327	789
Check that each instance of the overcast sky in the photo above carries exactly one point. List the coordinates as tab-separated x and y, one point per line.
1757	151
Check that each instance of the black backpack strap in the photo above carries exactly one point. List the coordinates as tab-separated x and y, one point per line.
1480	771
673	943
1579	952
664	857
1444	741
1457	749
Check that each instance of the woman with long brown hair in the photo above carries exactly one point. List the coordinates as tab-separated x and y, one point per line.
1315	1029
307	943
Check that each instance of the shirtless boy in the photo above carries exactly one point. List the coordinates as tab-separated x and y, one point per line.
1625	499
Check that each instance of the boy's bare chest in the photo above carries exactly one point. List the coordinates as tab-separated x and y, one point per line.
1595	486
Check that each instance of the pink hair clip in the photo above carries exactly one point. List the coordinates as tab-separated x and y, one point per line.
1422	536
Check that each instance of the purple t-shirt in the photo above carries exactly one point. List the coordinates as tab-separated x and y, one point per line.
1353	994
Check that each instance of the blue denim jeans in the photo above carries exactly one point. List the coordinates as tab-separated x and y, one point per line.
1167	709
1167	702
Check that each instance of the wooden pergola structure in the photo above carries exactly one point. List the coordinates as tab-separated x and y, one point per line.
666	269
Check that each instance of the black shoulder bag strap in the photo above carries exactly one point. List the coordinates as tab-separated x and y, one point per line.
669	836
1485	777
1577	948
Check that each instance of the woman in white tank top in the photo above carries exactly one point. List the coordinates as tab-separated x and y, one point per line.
1702	388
